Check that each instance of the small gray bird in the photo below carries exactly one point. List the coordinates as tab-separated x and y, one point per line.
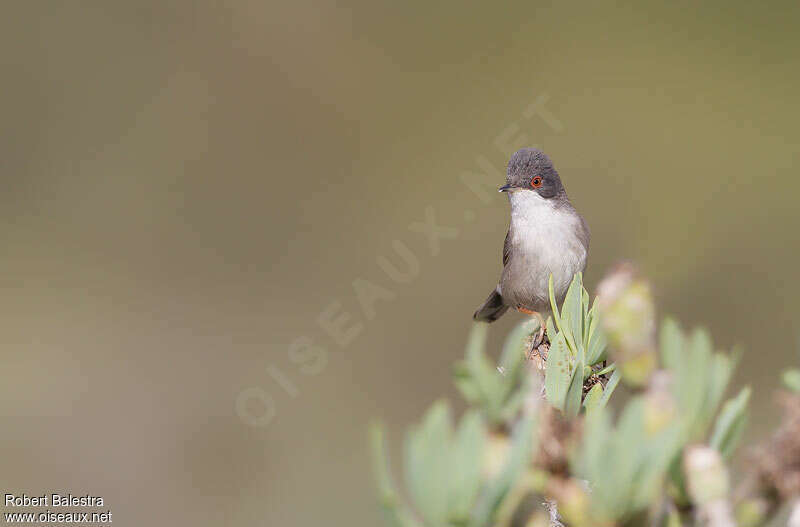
546	236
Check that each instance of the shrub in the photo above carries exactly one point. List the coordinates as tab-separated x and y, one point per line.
539	444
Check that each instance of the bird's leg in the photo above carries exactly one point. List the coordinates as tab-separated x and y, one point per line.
540	337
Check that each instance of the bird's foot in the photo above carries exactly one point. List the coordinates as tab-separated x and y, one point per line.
539	338
537	341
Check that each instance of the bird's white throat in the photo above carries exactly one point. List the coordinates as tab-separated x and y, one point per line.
531	211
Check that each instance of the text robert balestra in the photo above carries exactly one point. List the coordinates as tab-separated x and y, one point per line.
53	500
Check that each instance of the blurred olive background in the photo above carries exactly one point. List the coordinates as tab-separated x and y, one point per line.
188	185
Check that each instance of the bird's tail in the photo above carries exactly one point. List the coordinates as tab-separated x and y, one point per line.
492	309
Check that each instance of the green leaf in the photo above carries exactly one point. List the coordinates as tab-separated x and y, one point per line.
610	387
553	304
522	446
427	466
466	460
395	512
592	400
596	339
495	390
572	404
660	451
558	373
700	376
611	368
627	440
730	424
513	348
484	374
551	329
791	379
512	361
572	314
671	344
692	385
476	341
626	464
585	311
513	405
718	376
466	384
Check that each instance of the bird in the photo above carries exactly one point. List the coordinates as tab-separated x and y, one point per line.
546	236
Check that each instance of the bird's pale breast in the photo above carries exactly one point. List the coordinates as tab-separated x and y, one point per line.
546	239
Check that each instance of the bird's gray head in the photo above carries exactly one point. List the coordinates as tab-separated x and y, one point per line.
530	170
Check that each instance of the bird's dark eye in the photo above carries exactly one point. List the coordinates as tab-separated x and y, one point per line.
536	182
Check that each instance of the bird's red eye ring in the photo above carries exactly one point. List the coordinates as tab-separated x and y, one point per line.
536	182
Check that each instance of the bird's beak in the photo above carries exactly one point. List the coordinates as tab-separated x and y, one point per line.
505	188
